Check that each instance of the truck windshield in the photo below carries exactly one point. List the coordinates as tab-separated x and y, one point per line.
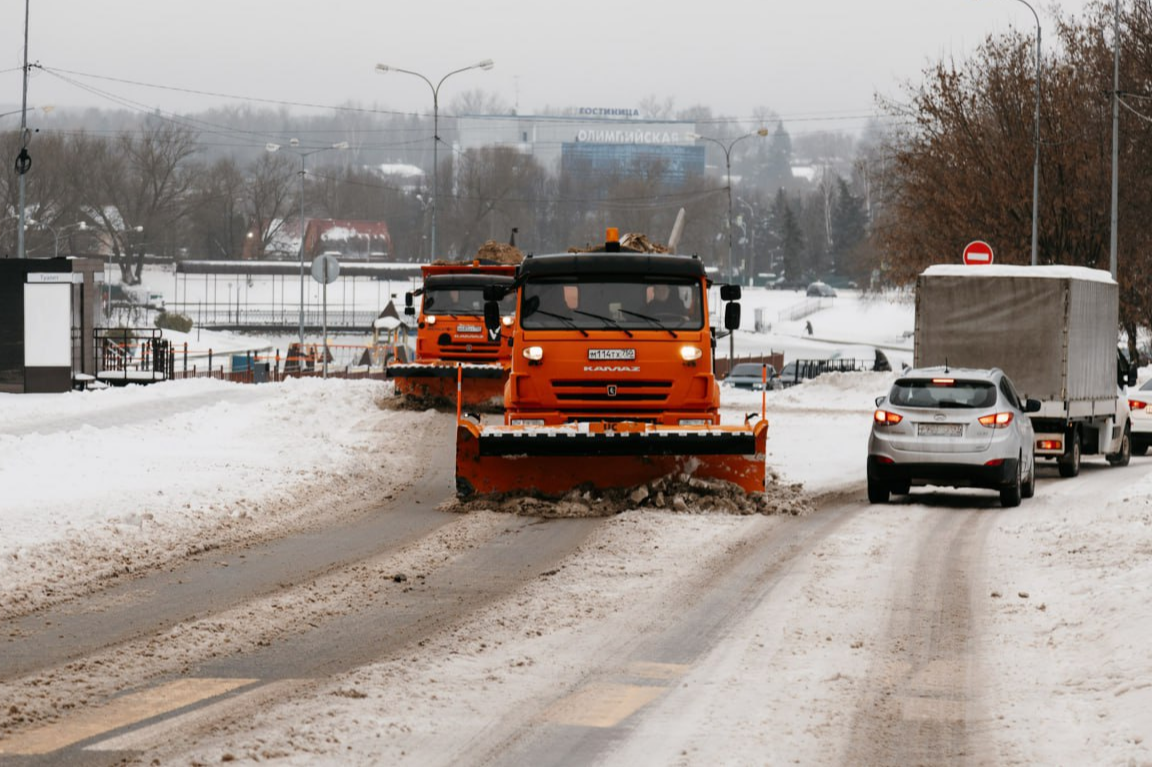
630	303
469	300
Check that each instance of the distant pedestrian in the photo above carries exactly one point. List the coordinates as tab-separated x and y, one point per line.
808	326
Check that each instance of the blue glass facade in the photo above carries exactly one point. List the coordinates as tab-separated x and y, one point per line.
673	164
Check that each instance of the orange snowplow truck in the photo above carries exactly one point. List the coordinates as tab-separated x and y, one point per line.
452	344
612	381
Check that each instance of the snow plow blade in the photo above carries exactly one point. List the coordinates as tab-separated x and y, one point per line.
480	383
551	461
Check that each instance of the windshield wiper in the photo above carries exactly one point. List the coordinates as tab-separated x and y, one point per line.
653	320
562	318
606	320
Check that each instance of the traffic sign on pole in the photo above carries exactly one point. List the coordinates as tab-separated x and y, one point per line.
977	252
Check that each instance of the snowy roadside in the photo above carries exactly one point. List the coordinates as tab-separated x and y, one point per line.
106	482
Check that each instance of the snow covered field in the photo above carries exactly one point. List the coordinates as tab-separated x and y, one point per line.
136	477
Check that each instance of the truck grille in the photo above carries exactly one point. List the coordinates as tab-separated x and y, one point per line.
649	392
461	353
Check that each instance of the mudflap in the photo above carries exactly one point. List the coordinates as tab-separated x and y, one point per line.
550	462
479	384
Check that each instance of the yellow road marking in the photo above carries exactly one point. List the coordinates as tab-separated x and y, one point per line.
118	713
665	671
602	705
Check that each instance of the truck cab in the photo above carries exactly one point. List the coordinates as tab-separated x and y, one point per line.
612	336
456	357
450	324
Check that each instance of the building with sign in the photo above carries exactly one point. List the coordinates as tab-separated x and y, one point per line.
594	140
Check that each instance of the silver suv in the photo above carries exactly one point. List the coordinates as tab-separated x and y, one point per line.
956	428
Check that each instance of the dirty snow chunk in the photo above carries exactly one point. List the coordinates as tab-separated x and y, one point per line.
688	495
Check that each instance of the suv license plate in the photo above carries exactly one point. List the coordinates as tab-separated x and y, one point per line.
939	430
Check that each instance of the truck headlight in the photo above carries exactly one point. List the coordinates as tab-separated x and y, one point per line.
430	319
534	353
690	353
508	321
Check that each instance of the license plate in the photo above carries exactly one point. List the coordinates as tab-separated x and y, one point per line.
469	328
611	354
939	430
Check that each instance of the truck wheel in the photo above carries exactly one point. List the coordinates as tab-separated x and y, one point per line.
1010	495
1124	456
878	491
1069	463
1028	488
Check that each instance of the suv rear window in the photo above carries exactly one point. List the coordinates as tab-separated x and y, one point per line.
942	393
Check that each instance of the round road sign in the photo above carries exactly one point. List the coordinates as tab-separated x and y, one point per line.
325	269
977	252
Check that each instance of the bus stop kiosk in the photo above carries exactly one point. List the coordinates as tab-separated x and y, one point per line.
48	314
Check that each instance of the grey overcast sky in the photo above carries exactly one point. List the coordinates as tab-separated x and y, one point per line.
816	63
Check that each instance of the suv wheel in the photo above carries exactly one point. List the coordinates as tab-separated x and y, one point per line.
1010	495
878	491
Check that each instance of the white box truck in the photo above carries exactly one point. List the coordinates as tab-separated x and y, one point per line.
1054	331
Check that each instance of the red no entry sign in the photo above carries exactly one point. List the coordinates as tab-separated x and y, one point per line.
977	252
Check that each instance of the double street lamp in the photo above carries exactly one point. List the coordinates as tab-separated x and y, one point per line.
728	165
295	144
384	69
82	225
727	148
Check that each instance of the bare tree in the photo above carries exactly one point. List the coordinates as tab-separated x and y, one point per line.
142	181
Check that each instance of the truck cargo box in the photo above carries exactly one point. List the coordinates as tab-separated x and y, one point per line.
1052	329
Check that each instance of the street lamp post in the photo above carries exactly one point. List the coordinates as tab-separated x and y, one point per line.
728	165
1114	213
23	161
727	149
1036	143
385	68
295	144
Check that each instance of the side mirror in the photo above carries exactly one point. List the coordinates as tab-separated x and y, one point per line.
1031	406
410	311
491	315
730	292
408	301
880	399
732	316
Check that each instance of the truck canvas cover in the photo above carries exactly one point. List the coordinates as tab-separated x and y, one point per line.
1052	329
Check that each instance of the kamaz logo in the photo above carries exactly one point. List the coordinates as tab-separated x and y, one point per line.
611	368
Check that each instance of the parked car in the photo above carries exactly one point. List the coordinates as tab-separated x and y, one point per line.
955	428
821	290
1140	403
750	375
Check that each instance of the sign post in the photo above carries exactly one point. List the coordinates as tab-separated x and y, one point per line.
325	269
977	252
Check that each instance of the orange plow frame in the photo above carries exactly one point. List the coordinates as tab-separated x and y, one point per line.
472	384
552	461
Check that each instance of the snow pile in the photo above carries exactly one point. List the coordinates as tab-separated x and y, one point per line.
102	483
